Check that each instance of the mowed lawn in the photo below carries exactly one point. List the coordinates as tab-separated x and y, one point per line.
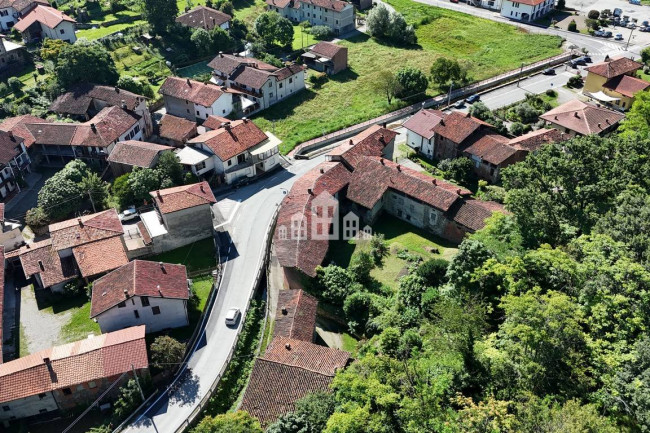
350	97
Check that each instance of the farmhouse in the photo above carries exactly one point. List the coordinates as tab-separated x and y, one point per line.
12	10
203	17
132	153
43	22
326	57
175	131
194	100
141	293
14	163
70	376
526	10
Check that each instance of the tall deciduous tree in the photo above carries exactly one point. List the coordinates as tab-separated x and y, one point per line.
83	62
234	422
160	14
444	71
413	83
387	84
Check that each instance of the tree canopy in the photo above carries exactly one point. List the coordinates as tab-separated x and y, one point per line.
85	61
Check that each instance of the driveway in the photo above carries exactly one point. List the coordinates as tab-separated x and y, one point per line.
42	327
28	197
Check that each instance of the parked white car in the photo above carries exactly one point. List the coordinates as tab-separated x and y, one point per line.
128	214
232	316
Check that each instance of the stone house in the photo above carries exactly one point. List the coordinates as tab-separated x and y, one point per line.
12	10
12	55
176	131
141	293
132	153
14	164
338	15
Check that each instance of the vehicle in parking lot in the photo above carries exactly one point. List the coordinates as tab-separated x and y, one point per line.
599	33
549	71
232	316
618	37
631	26
473	98
128	214
644	29
607	34
617	12
459	104
587	59
635	2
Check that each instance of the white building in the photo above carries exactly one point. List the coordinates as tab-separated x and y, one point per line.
526	10
194	100
338	15
239	149
45	22
11	11
141	293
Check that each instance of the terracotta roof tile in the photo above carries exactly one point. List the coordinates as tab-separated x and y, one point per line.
306	355
370	142
228	142
203	17
41	258
176	128
614	67
534	140
9	147
193	91
19	5
334	5
87	360
296	315
88	228
473	213
97	257
327	49
281	4
16	125
251	77
183	197
136	153
77	101
457	126
492	148
46	15
227	63
582	118
139	278
289	70
215	122
626	85
2	294
424	122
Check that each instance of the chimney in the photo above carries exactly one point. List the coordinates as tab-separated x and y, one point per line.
214	22
287	346
81	223
117	89
46	360
435	181
159	291
201	187
126	294
159	195
599	125
162	267
399	167
220	53
223	88
245	119
575	114
607	121
467	115
442	122
381	160
40	265
226	126
284	311
310	191
123	104
458	191
93	127
322	171
351	143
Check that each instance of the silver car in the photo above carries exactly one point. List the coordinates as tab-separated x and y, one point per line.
232	316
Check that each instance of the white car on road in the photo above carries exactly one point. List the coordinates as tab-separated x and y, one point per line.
232	316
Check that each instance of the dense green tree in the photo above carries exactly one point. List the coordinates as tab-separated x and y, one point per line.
411	288
59	197
142	181
316	408
96	189
83	62
357	311
334	283
399	31
445	71
637	119
645	55
412	83
472	254
136	86
361	264
122	191
169	167
202	41
231	422
387	84
290	423
548	416
378	21
166	352
160	14
433	272
480	111
274	29
459	169
51	48
378	248
128	400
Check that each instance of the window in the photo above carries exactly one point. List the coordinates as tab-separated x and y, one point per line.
241	158
337	21
206	115
229	163
136	129
188	111
67	391
62	31
271	95
280	85
290	80
145	301
121	304
155	310
41	395
270	84
197	113
136	314
200	166
6	408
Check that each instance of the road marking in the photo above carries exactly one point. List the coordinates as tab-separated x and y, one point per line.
232	214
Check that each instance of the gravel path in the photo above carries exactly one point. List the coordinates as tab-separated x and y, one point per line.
42	327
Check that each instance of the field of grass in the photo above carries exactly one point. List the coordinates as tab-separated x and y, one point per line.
196	256
302	39
100	32
248	10
80	325
350	97
102	18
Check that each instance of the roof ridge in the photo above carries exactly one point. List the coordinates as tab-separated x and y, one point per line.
297	366
293	321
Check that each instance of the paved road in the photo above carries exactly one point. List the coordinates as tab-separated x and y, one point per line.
247	229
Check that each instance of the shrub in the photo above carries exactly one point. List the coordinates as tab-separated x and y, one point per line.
433	272
317	80
551	93
518	128
526	113
458	169
321	32
15	84
645	55
593	14
73	288
572	27
480	111
592	24
575	81
413	83
166	352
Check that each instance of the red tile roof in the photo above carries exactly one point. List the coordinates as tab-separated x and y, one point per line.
457	126
626	85
85	229
40	258
228	63
2	293
534	140
97	257
203	17
16	125
176	128
46	15
281	4
615	67
251	77
370	142
288	371
19	5
79	99
228	142
139	278
9	147
87	360
327	49
582	118
296	315
492	148
529	2
473	213
374	176
334	5
424	122
136	153
288	71
193	91
215	122
183	197
2	213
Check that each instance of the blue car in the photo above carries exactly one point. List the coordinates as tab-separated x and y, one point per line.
472	99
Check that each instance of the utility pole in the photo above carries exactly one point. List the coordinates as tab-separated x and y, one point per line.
137	381
521	71
90	196
449	96
628	40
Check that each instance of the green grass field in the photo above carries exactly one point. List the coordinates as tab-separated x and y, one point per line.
80	325
196	256
100	32
302	39
349	97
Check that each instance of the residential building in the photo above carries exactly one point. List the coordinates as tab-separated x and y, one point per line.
141	293
93	141
289	370
194	100
239	149
85	247
14	164
17	126
11	237
338	15
614	82
526	10
203	17
12	10
12	55
71	376
132	153
296	315
580	118
45	22
259	84
181	215
326	57
437	135
494	5
197	161
84	101
175	131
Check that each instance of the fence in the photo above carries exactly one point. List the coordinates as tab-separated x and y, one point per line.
302	151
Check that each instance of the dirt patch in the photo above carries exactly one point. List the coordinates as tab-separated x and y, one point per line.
42	328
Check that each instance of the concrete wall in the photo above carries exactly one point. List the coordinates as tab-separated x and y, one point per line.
184	227
340	22
179	107
26	407
10	239
66	27
173	314
416	141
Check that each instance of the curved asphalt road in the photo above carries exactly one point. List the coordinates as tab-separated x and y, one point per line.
247	230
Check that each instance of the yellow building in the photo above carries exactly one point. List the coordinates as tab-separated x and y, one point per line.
614	82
